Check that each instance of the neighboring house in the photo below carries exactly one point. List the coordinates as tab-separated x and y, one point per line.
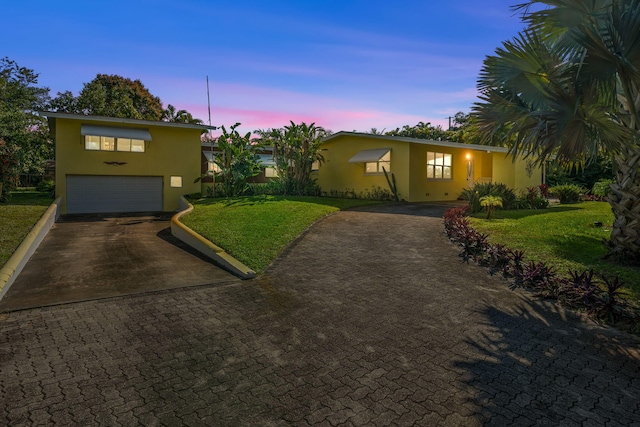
208	166
424	170
107	164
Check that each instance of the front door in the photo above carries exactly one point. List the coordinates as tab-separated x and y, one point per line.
470	180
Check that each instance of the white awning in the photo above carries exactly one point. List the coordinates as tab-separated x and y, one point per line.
369	155
116	132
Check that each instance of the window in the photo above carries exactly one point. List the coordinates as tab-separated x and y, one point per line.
176	181
376	167
438	165
109	143
270	172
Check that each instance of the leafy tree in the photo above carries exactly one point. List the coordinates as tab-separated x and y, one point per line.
463	130
421	130
569	86
23	133
295	149
237	160
490	202
111	96
170	114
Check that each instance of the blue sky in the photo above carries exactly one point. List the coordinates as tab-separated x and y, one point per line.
345	65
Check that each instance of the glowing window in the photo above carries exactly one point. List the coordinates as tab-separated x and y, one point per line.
439	165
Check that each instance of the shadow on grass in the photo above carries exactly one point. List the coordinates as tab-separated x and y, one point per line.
539	364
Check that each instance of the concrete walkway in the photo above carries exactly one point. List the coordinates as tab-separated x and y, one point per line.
370	318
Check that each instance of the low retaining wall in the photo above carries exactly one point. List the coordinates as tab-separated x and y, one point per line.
10	271
205	247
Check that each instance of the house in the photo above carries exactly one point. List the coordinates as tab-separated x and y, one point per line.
108	164
208	166
424	170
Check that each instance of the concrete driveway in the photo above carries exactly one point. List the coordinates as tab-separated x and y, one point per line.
91	256
369	319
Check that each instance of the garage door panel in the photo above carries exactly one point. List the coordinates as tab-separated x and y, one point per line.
109	194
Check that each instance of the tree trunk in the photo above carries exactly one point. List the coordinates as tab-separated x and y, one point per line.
625	203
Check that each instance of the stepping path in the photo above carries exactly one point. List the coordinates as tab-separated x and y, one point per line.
369	318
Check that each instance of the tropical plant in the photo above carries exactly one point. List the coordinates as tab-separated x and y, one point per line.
602	188
295	149
567	193
479	190
237	160
569	86
490	203
393	186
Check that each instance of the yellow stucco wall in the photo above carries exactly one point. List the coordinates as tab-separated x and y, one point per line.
517	175
171	152
337	175
423	189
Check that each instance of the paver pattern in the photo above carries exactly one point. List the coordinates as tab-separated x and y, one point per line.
370	318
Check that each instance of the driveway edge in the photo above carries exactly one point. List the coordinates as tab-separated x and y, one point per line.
10	271
204	246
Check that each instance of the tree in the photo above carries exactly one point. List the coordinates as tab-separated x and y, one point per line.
237	159
295	149
421	130
170	114
490	202
25	145
568	86
111	96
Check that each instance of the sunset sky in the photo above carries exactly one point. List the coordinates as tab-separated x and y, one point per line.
345	65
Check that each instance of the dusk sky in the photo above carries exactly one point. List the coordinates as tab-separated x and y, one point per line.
345	65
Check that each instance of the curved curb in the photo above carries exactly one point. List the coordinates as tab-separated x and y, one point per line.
205	247
14	265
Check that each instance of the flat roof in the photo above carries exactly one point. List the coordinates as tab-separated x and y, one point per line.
487	148
120	120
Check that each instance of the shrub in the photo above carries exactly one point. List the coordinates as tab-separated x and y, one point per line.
47	185
473	195
602	187
567	193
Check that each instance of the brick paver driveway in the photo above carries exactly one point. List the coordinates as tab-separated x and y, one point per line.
369	319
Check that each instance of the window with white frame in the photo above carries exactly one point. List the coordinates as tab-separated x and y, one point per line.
109	143
439	165
376	167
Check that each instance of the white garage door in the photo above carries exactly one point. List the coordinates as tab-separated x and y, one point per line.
107	194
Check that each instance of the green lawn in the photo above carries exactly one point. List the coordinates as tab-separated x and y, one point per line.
18	217
255	230
563	236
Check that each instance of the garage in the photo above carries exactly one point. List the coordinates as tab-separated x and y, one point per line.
110	194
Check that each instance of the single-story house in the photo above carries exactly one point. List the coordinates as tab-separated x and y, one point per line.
108	164
424	170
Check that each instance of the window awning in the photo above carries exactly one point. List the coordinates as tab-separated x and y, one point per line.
208	155
266	160
116	132
369	155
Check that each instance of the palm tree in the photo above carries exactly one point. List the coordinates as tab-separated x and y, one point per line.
568	86
170	114
295	149
490	202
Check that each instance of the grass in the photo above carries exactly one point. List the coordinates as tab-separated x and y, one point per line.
255	230
17	217
563	236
